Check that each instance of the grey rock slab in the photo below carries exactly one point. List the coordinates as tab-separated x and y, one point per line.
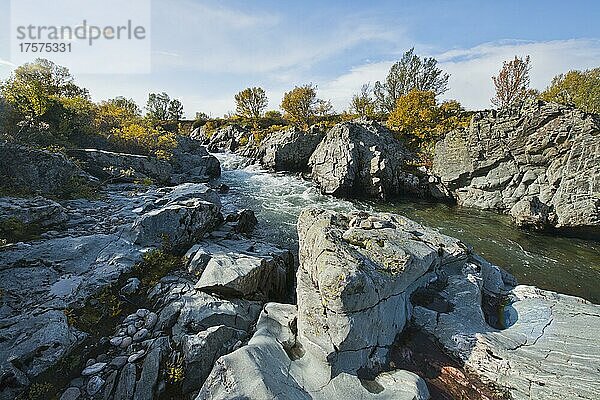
126	386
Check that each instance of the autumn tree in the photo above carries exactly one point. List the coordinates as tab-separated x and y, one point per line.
418	117
251	102
300	104
578	88
362	103
512	82
410	73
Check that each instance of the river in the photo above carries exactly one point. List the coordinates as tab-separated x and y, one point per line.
564	265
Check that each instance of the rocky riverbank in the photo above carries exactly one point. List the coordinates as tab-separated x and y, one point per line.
137	291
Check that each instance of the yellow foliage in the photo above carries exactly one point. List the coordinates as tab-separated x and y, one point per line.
578	88
145	138
417	116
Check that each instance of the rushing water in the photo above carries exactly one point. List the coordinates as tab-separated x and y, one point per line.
564	265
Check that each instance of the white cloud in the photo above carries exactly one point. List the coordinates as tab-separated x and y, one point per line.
471	69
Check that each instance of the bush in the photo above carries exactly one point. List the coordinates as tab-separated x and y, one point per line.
145	140
578	88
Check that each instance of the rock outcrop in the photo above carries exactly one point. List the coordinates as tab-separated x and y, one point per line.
189	162
27	170
122	167
34	215
363	159
289	149
226	139
363	279
43	281
538	161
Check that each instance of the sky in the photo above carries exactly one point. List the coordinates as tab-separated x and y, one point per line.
203	52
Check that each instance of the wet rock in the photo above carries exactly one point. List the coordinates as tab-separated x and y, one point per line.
532	213
245	221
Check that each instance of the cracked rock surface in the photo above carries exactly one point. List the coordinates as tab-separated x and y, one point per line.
539	161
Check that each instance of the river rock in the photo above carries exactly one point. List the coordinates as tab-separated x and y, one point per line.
363	159
226	138
182	222
27	170
355	280
71	393
38	213
94	385
122	167
191	162
289	149
93	369
543	154
546	348
242	268
202	350
274	364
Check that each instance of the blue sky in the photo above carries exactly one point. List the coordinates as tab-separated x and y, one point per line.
203	52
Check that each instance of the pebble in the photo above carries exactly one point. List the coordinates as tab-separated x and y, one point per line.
139	324
94	385
102	358
118	362
71	393
116	341
142	312
89	362
140	335
77	382
93	369
126	342
151	320
131	330
136	356
130	318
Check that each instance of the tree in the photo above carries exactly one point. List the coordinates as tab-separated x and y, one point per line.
251	102
578	88
300	104
411	72
512	82
323	108
129	105
157	106
418	117
363	103
33	87
175	110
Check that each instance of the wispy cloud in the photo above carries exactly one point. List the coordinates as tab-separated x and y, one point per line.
471	69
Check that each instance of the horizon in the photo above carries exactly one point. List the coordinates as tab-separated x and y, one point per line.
204	52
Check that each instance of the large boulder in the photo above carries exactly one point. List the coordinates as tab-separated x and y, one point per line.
355	279
27	170
191	162
363	159
226	138
181	221
290	149
539	161
122	167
